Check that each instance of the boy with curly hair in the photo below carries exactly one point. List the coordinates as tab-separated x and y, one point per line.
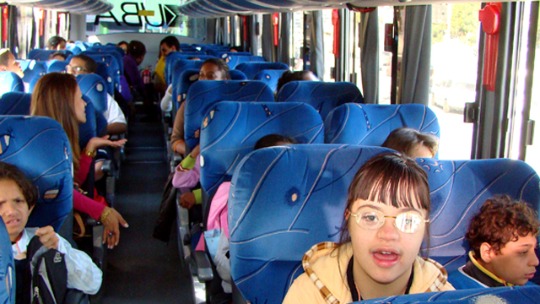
503	239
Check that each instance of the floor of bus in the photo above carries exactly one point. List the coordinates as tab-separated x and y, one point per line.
143	269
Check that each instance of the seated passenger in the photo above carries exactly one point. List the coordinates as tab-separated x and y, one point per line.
57	95
412	143
289	76
18	197
167	45
212	69
116	120
385	221
502	238
56	43
8	63
217	217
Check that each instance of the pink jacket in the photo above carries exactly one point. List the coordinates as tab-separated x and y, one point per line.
188	178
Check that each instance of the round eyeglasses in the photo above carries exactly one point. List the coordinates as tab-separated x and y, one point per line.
372	219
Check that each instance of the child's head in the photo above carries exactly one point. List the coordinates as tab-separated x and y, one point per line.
386	217
18	196
412	143
502	237
214	69
289	76
273	140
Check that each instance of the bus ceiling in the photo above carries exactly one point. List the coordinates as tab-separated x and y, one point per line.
220	8
87	7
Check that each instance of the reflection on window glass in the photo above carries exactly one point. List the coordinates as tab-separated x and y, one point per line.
454	58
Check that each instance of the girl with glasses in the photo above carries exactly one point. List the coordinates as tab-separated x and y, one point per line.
385	221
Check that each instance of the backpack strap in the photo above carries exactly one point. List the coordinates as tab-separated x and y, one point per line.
49	273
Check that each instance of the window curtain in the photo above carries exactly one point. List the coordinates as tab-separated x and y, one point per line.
416	55
284	39
369	55
316	50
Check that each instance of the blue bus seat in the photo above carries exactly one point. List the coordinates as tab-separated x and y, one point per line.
40	148
237	75
181	85
270	77
519	294
7	267
282	201
44	55
15	103
235	59
252	68
370	124
95	89
323	96
459	189
56	66
34	70
107	74
204	94
113	68
174	57
181	65
10	82
231	129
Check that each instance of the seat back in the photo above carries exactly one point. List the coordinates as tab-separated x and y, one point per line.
181	86
234	59
10	82
252	68
204	94
95	89
174	57
15	103
370	124
459	189
56	66
323	96
181	65
44	55
282	201
40	148
34	70
7	267
270	77
517	294
237	75
231	130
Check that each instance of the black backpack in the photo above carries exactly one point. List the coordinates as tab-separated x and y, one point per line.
49	276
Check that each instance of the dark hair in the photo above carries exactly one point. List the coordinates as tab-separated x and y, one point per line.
271	140
171	41
12	173
499	221
222	66
390	178
136	49
404	140
59	53
89	63
122	42
289	76
54	41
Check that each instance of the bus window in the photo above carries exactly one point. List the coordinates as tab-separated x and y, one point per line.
532	155
328	33
454	61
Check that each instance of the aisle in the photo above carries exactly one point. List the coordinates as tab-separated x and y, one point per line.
142	269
